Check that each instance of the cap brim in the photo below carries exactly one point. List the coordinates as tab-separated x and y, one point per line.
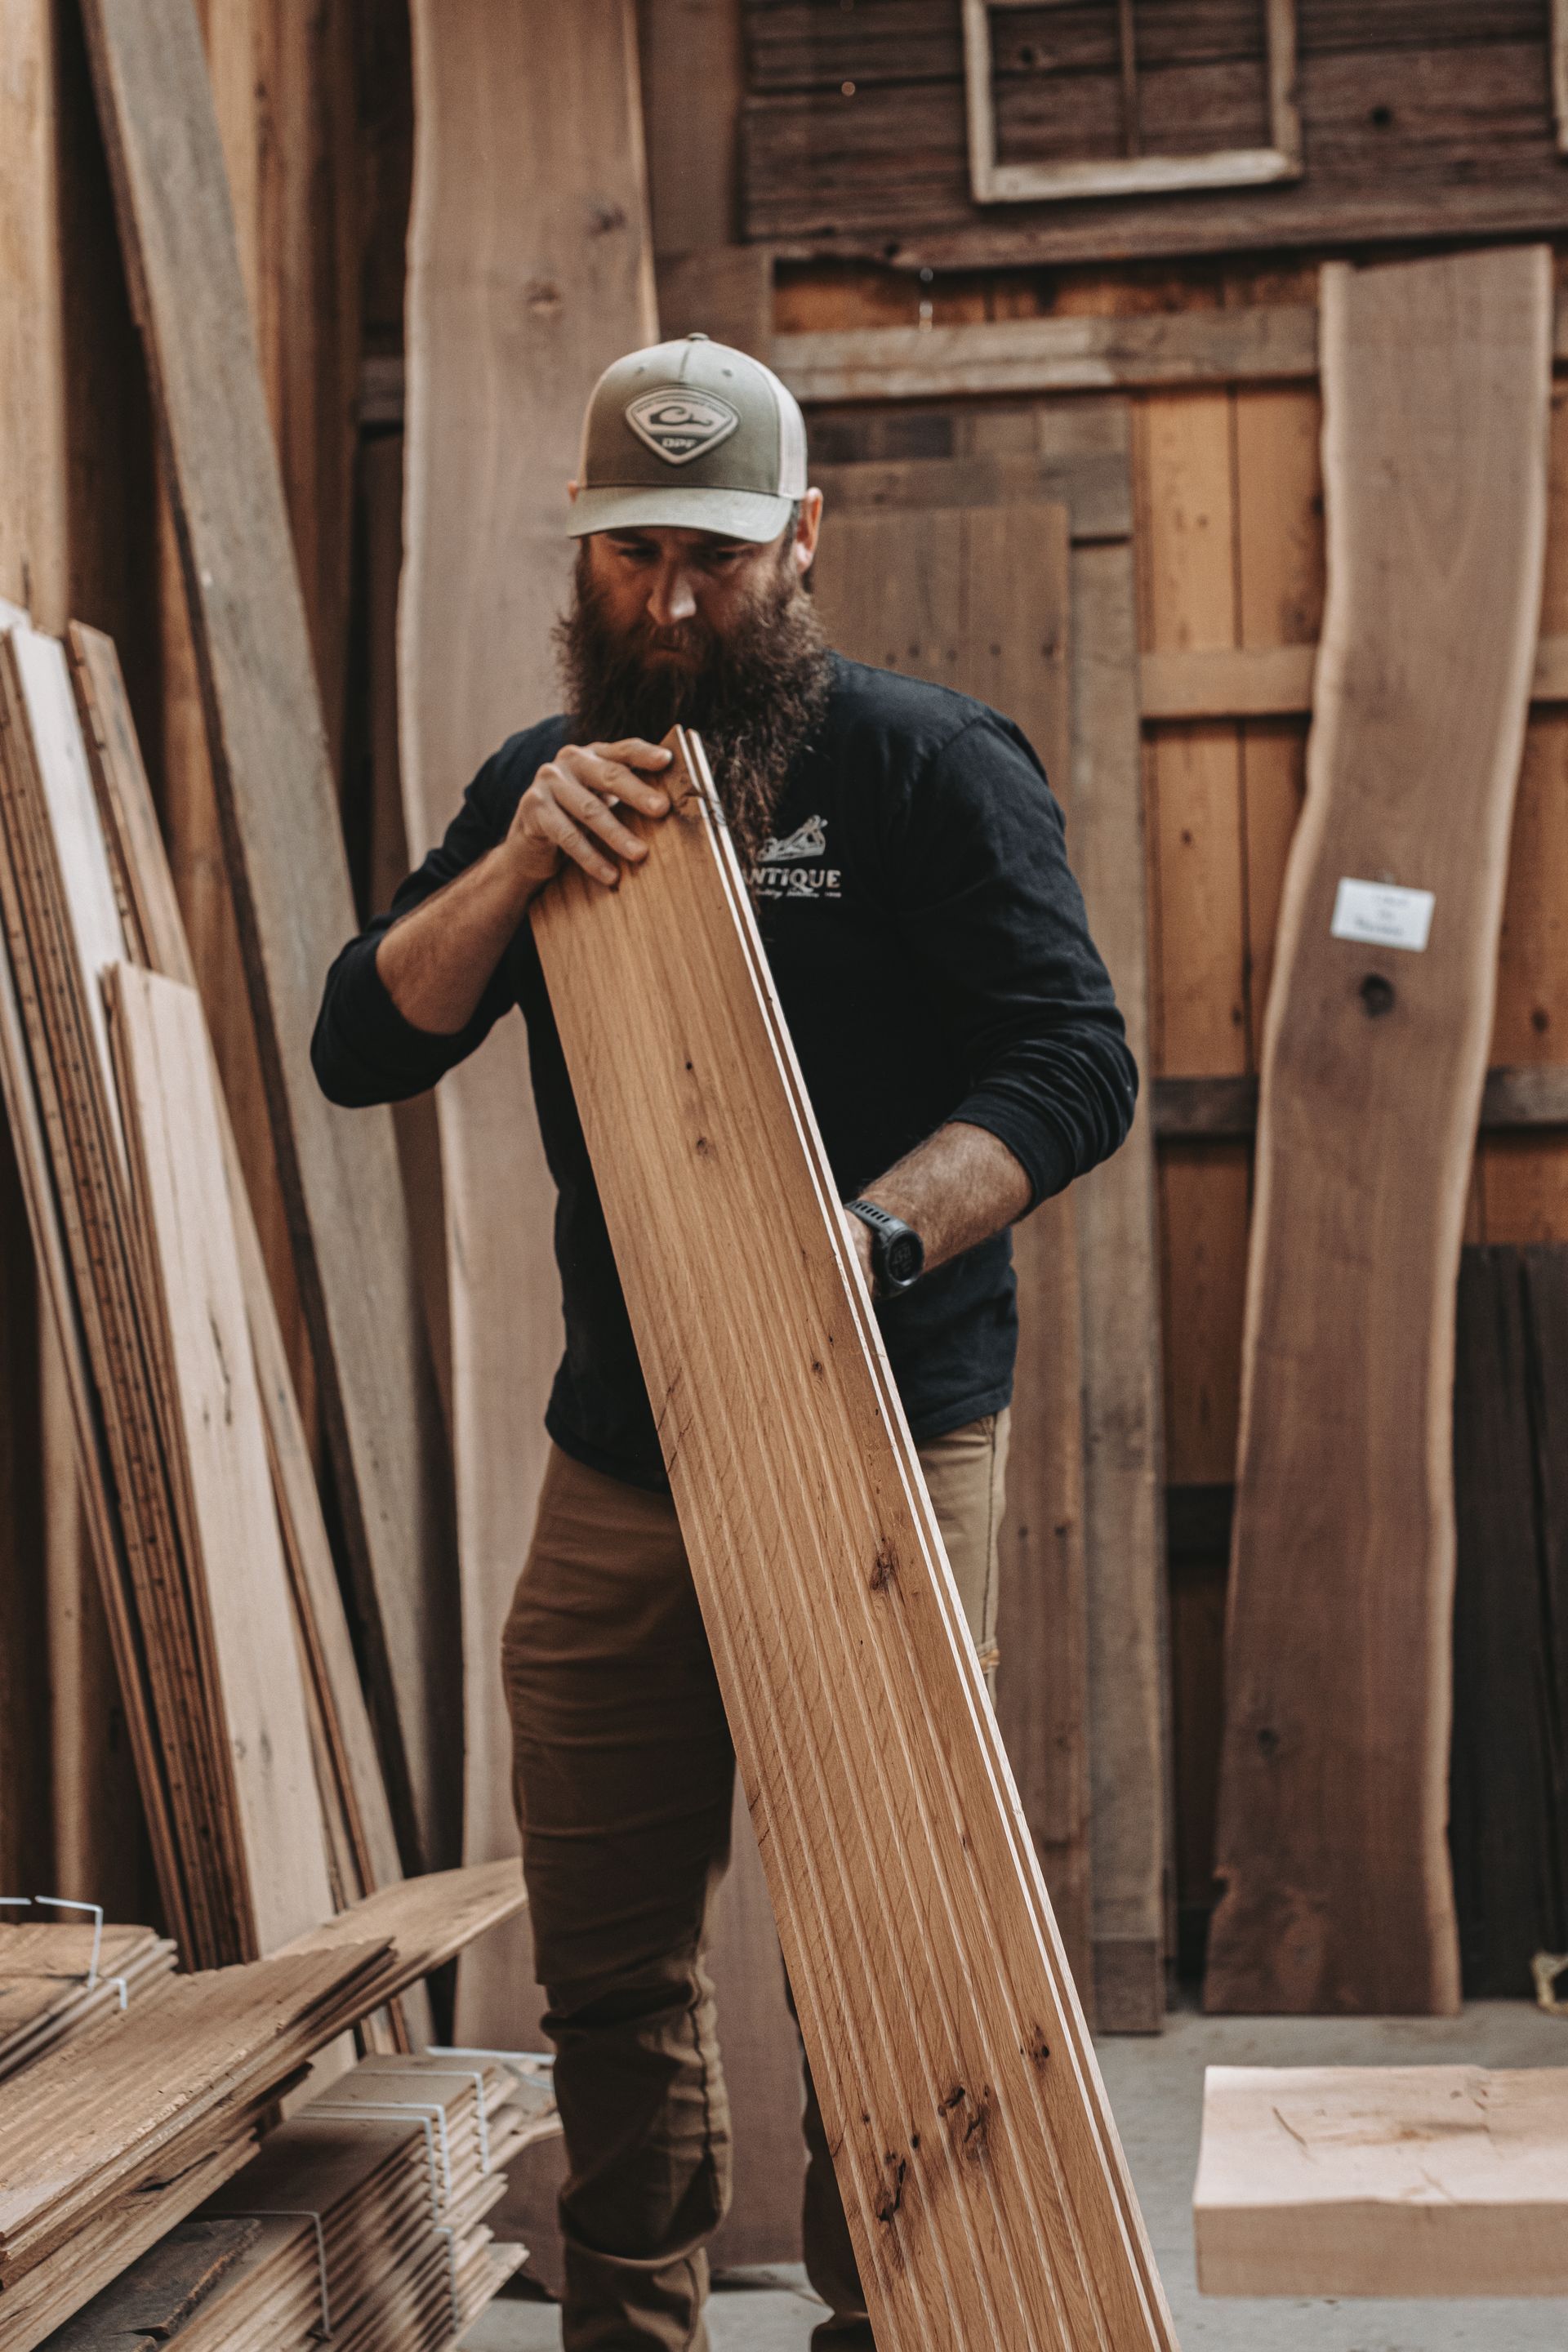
734	514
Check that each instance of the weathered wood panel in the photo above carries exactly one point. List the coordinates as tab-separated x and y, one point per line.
1415	122
1436	377
870	1814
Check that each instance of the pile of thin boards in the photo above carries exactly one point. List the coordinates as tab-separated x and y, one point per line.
56	1978
361	2221
130	2123
258	1775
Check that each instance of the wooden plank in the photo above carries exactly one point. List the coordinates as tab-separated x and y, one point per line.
693	75
286	856
492	434
169	1107
1417	2181
1276	681
976	599
1333	1797
1226	1108
999	357
868	1814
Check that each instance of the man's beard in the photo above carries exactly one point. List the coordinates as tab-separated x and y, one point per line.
754	695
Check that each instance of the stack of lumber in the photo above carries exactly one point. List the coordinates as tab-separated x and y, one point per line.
362	2218
259	1776
123	2129
1384	2180
56	1978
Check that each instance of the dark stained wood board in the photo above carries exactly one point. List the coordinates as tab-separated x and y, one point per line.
1335	1783
1508	1823
286	858
868	1814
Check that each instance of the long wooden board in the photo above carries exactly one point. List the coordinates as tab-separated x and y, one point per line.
285	851
1079	454
523	286
1334	1785
976	599
985	2183
1384	2180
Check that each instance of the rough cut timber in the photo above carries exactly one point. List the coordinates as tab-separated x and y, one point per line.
976	599
523	286
285	851
1334	1778
1384	2180
987	2191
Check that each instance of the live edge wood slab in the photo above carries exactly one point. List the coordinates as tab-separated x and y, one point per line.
987	2194
1334	1803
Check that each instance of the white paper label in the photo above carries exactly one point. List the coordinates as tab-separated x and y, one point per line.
1384	914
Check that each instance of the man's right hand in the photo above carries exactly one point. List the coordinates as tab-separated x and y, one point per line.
569	810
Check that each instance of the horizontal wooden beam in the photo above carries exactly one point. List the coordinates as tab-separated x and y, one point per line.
1224	1109
1014	358
1276	681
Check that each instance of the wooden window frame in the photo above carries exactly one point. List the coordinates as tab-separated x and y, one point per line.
1134	175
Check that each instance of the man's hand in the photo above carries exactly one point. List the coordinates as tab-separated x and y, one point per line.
569	810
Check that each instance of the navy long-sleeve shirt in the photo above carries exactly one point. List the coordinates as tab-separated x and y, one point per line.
931	953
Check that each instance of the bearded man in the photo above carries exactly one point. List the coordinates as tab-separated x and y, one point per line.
965	1060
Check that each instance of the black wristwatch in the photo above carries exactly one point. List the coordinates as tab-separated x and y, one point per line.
898	1253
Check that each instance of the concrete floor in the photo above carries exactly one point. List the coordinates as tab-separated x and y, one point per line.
1156	2091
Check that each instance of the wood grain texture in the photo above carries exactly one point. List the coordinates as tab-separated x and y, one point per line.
1338	1891
983	2181
976	599
284	854
1383	2180
168	1105
522	286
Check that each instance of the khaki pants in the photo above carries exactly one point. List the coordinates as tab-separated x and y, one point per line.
623	1776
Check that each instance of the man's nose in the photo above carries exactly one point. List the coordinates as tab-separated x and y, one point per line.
672	600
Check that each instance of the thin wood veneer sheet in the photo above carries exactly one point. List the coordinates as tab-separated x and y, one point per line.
987	2194
523	286
1384	2180
169	1108
1436	376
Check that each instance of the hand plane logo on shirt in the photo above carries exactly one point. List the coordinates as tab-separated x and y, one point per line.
679	425
777	875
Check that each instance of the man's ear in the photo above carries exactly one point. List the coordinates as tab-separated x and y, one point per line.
806	531
571	492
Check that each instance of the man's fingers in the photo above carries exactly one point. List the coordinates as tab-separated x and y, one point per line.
557	826
636	751
581	802
599	765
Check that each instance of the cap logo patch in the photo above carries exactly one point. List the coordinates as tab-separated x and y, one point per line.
678	426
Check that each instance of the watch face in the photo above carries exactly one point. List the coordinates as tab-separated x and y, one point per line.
905	1258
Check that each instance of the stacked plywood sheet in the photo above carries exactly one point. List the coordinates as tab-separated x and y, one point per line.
56	1978
362	2218
125	2128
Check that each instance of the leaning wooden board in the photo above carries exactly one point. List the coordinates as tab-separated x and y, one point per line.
1079	453
988	2197
976	599
523	286
1384	2180
285	852
1333	1799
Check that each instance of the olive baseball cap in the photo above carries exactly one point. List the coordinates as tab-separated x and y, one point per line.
691	435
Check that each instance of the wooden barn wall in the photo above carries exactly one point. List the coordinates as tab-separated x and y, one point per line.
1229	540
1418	118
